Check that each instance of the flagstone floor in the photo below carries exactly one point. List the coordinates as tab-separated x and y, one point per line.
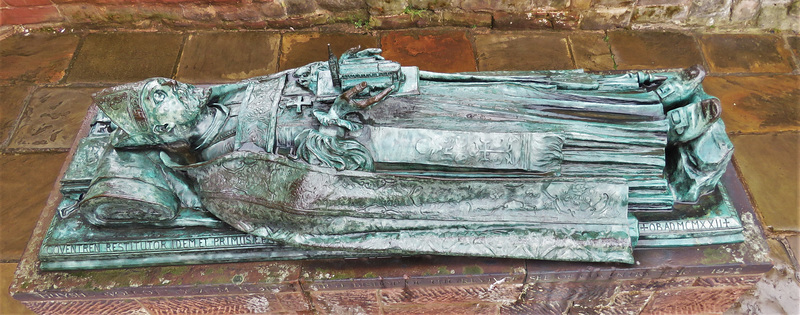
46	81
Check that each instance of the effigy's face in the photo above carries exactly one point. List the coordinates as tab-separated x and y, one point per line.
172	103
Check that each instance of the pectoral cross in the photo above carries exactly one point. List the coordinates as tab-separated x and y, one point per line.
300	101
486	150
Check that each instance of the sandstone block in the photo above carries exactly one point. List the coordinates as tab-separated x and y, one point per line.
467	19
744	11
606	18
522	51
590	51
492	6
27	3
83	13
565	20
36	58
30	15
580	4
298	7
530	20
386	22
613	3
272	9
660	14
386	7
780	16
341	5
434	51
51	119
198	12
433	5
664	2
707	13
27	178
299	22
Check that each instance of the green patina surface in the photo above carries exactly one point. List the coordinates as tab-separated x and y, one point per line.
360	156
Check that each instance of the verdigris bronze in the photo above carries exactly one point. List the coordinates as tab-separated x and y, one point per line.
360	155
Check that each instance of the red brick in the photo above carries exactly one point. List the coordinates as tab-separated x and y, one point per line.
27	3
30	15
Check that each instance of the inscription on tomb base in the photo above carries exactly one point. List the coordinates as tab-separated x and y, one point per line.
181	244
702	225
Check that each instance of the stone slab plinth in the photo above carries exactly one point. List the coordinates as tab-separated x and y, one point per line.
699	279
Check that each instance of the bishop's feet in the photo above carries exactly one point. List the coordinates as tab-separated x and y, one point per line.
689	122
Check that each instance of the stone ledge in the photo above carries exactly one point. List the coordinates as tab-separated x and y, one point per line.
290	14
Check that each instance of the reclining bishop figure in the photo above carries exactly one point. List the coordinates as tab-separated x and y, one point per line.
362	154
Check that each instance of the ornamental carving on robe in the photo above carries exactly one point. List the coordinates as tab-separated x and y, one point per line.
360	154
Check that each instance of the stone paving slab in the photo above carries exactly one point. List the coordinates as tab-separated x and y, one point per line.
757	103
52	118
523	51
736	53
653	50
40	58
11	104
440	51
770	164
794	45
226	57
591	51
27	181
763	103
125	57
9	305
302	48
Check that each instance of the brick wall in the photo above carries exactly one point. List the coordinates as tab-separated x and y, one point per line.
782	15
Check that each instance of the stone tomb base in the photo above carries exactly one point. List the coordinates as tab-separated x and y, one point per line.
700	279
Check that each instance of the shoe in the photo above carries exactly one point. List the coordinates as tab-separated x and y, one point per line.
689	122
678	90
